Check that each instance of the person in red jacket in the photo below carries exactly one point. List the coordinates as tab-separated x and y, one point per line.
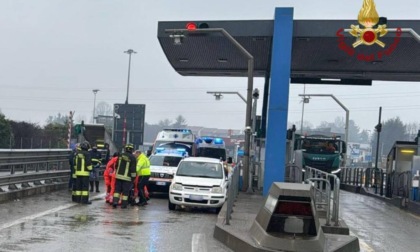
109	171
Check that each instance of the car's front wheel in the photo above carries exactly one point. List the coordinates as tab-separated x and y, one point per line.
171	206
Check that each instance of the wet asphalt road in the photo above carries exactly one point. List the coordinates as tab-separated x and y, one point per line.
52	223
379	226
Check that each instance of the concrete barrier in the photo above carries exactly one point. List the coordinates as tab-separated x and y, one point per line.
31	191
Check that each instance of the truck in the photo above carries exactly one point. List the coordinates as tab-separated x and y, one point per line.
322	152
97	136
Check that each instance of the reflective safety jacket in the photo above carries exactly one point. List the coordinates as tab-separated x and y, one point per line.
143	165
96	157
126	168
82	163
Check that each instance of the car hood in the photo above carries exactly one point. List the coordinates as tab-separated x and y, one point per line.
163	169
197	181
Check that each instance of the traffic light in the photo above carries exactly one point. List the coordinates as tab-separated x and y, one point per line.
191	26
378	127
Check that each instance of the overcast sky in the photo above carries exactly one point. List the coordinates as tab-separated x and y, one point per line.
53	53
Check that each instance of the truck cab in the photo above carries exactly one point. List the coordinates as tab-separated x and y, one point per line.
322	152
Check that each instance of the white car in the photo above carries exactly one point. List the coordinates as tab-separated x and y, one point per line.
199	182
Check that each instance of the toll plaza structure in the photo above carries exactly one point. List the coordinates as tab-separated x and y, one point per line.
287	51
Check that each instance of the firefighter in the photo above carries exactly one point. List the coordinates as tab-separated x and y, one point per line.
73	173
125	175
82	167
96	161
110	168
143	171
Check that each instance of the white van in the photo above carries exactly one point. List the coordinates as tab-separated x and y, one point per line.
199	182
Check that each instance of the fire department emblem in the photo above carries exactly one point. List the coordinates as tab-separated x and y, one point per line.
368	18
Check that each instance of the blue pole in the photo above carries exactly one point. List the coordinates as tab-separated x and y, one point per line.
278	98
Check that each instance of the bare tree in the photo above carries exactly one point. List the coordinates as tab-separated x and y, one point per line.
103	108
180	122
165	123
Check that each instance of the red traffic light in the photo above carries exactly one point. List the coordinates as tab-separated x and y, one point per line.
191	26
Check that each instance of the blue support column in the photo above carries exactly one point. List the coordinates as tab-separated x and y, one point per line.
278	99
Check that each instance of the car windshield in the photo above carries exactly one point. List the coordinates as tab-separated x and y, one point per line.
200	169
165	160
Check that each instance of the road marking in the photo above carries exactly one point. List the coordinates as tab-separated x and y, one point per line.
363	245
415	216
34	216
198	243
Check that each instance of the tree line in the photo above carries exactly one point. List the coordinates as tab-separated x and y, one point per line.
26	135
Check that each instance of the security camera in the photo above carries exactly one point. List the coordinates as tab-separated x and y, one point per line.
248	128
218	97
177	38
256	93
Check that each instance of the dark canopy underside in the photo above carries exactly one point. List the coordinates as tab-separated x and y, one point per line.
316	53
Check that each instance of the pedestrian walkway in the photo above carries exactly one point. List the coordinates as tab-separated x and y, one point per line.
401	202
237	235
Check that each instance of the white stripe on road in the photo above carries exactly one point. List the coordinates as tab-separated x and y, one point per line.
198	243
34	216
31	217
364	247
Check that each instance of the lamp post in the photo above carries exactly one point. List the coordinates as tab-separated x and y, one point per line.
129	52
347	116
178	34
95	91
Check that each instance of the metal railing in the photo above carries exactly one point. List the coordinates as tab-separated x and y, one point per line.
33	160
322	199
293	173
365	177
232	193
322	183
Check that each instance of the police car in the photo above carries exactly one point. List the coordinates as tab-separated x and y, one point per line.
163	166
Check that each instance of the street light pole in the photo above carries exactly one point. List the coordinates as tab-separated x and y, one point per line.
129	52
94	103
178	34
346	139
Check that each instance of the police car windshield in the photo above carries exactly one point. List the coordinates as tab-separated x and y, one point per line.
200	170
174	146
165	160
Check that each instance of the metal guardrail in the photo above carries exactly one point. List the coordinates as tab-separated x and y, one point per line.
33	160
322	183
233	191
